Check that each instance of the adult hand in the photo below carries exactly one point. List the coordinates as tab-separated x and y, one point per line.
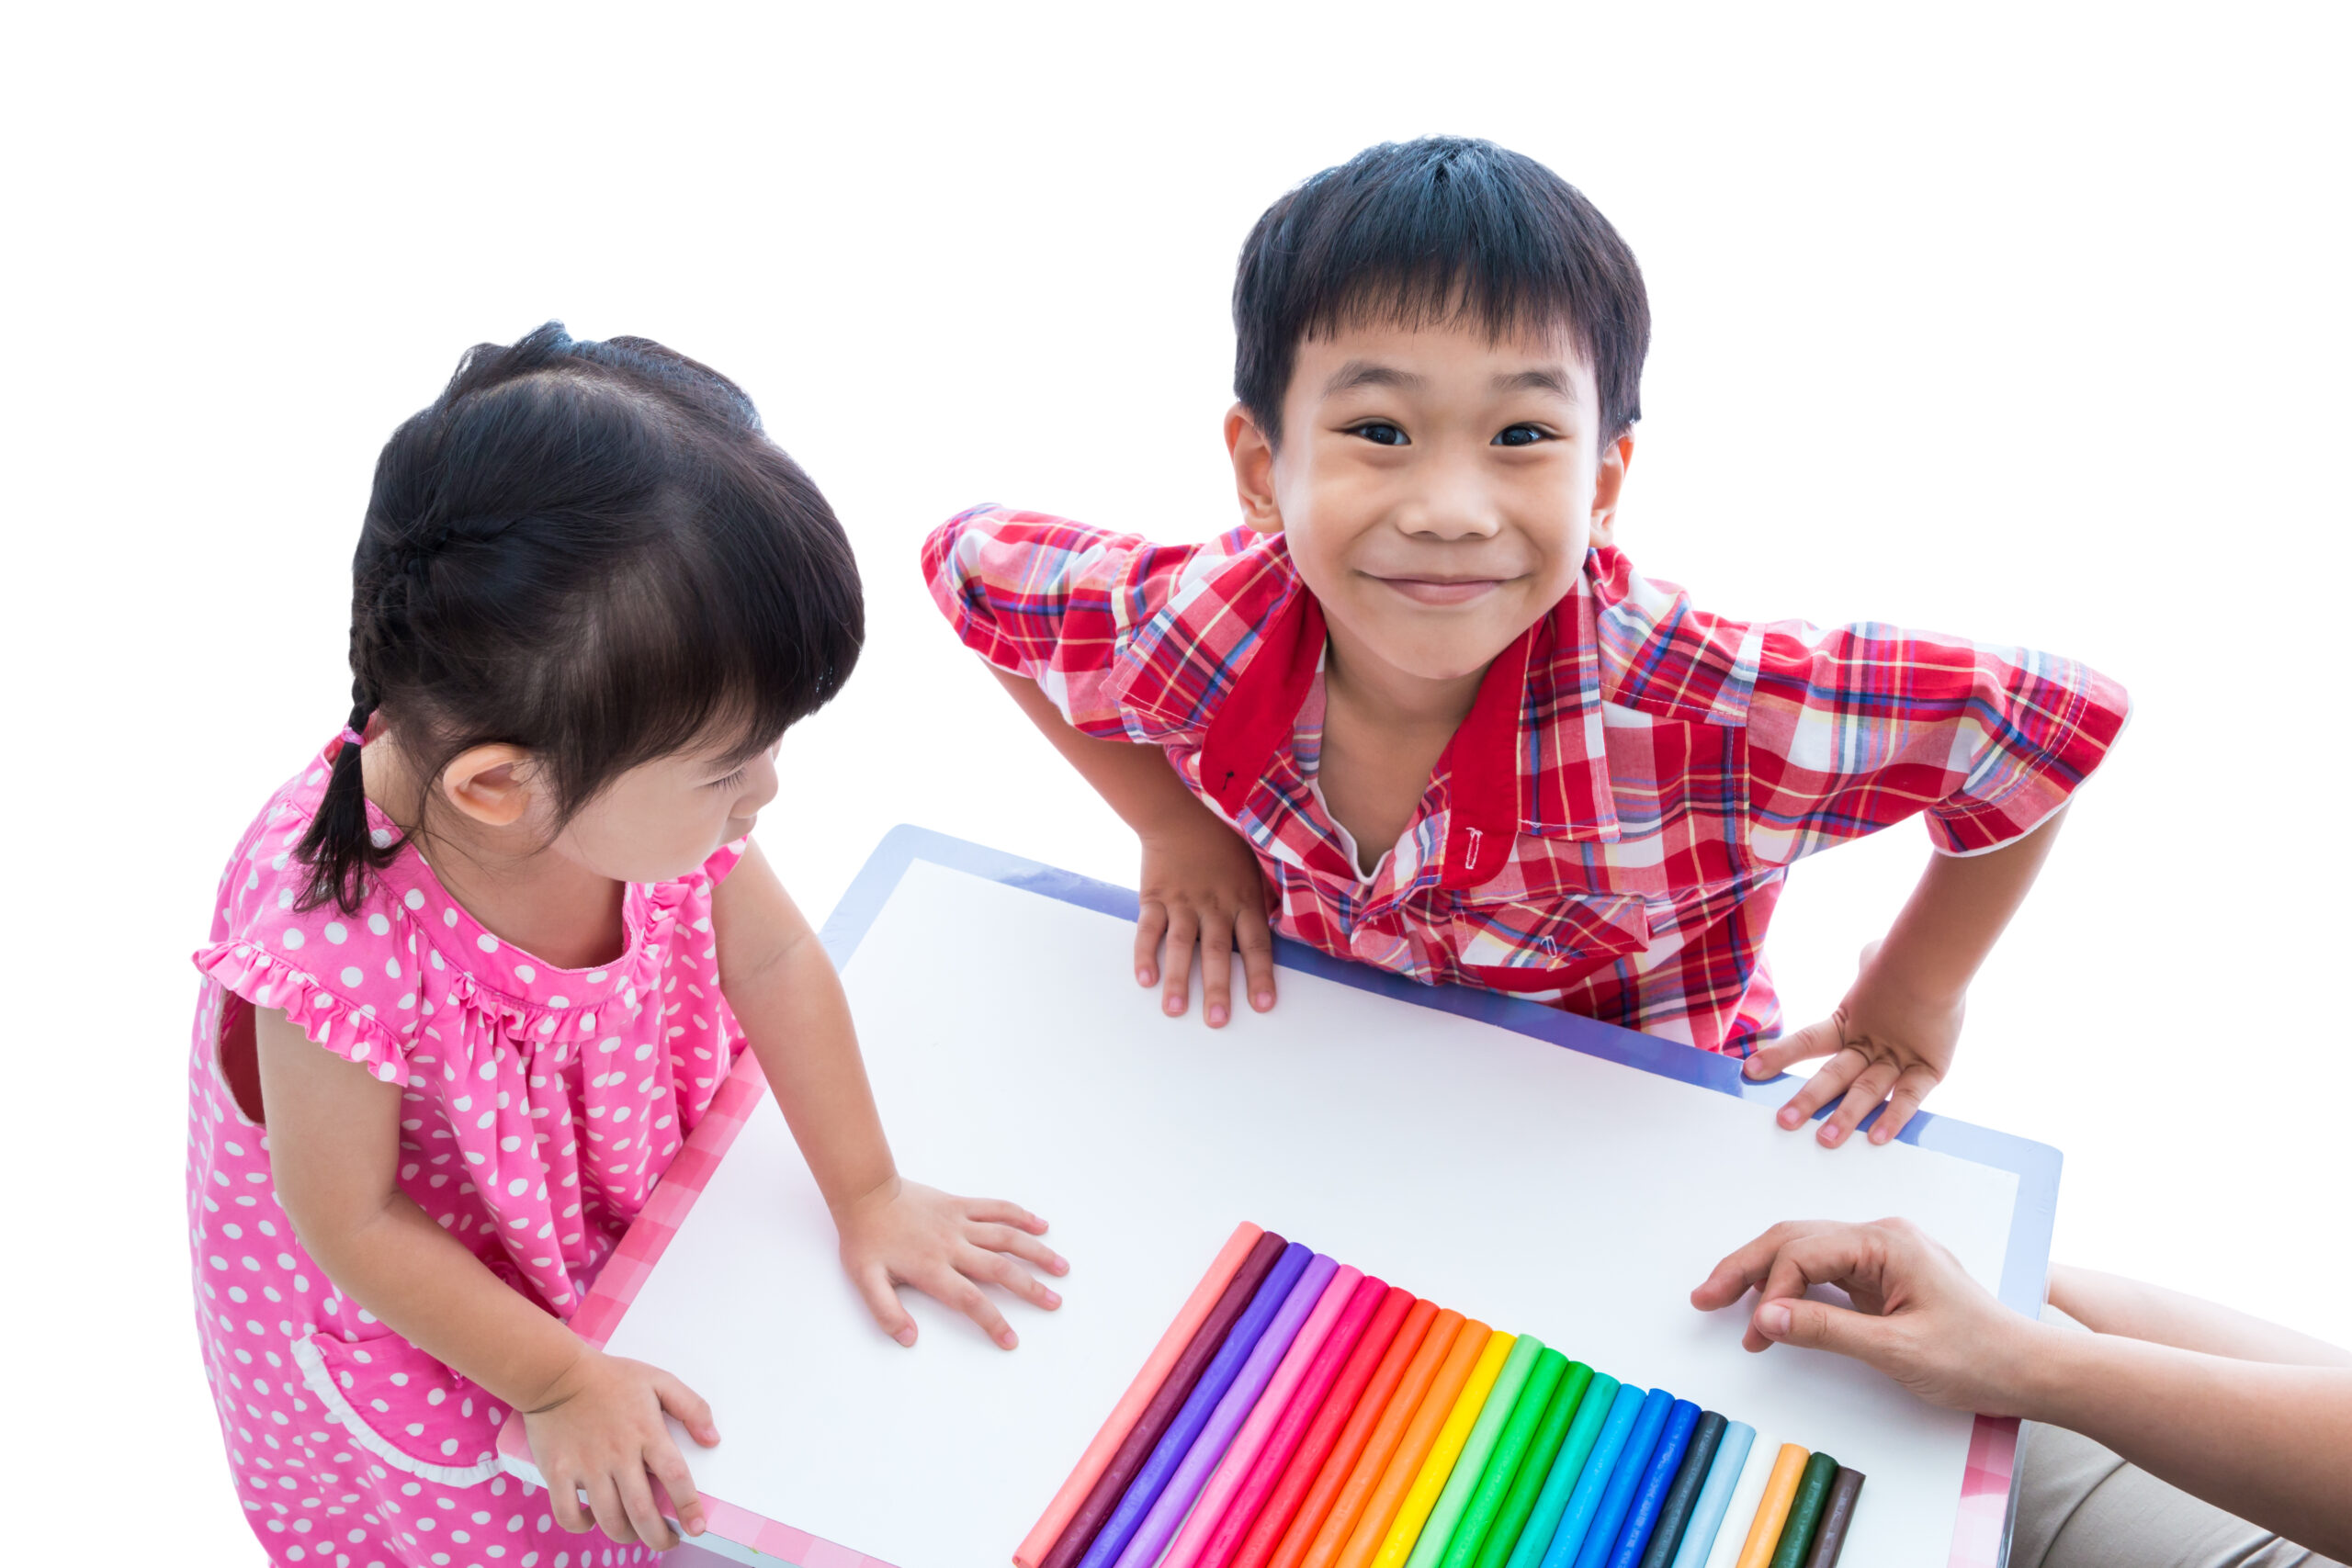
1917	1314
1202	886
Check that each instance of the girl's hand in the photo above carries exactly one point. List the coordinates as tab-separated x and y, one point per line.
1887	1041
906	1234
599	1431
1918	1316
1201	885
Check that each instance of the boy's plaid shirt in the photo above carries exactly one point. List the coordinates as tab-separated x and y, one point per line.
1609	830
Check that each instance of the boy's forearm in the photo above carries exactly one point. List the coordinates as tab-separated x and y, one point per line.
1135	781
2106	1304
1958	912
2269	1443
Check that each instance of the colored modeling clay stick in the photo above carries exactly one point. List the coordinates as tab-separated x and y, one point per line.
1674	1514
1559	1548
1414	1446
1470	1465
1304	1407
1197	1463
1177	1442
1031	1553
1617	1498
1772	1507
1347	1508
1747	1497
1418	1512
1144	1437
1346	1442
1804	1512
1562	1482
1332	1286
1656	1479
1714	1497
1503	1462
1837	1519
1511	1520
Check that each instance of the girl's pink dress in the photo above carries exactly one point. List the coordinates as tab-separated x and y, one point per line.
542	1104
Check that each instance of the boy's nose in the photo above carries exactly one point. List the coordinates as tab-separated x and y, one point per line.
1450	503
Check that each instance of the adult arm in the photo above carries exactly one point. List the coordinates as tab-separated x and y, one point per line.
594	1420
780	982
2266	1440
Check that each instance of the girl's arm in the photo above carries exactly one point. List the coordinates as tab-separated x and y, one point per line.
780	982
2269	1441
594	1420
1201	881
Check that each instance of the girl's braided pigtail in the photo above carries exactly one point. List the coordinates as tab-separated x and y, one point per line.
338	848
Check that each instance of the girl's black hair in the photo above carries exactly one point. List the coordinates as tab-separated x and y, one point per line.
591	552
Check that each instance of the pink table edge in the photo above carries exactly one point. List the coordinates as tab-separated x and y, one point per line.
1980	1536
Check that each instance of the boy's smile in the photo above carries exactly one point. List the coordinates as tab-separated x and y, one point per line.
1439	489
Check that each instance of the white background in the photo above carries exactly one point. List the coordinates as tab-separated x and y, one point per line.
2025	323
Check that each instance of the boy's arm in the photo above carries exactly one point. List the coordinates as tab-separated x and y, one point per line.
780	983
1893	1036
1201	881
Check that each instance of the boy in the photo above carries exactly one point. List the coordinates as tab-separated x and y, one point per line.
1421	712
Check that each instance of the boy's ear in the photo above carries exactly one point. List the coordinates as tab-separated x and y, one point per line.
1608	485
490	784
1253	470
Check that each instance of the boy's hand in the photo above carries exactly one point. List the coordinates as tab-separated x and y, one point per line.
598	1430
1201	885
1886	1041
1917	1315
906	1234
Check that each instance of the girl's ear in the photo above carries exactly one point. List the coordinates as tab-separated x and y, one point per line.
1608	485
490	784
1253	470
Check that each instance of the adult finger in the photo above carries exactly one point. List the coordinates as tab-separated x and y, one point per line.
669	1467
1821	1039
1256	941
996	1211
882	1300
995	1267
1176	978
1870	1087
635	1488
563	1502
1748	1264
1216	967
1828	1081
1916	1082
611	1514
1817	1325
967	1298
1151	924
1004	1238
1833	1256
691	1410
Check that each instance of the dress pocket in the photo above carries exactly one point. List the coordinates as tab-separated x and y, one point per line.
404	1407
1522	946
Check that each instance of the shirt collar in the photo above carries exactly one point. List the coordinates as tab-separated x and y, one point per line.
1532	756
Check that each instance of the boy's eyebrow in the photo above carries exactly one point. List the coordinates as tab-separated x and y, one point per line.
1366	372
1550	379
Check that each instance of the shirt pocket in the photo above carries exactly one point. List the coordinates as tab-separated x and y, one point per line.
1526	946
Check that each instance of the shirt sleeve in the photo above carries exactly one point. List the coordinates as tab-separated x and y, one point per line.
1051	600
1853	730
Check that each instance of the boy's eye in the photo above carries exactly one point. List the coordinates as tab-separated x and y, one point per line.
1380	432
1522	436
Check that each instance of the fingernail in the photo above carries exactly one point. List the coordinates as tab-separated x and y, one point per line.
1788	1118
905	1336
1061	1265
1833	1136
1174	1005
1217	1017
1880	1133
1052	1299
1144	976
1010	1339
1262	1001
1772	1320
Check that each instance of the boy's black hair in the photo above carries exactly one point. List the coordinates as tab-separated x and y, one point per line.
591	552
1427	231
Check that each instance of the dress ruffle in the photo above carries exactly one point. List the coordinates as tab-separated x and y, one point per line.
351	1031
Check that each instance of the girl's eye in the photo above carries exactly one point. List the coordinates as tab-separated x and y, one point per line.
1522	436
1380	432
730	782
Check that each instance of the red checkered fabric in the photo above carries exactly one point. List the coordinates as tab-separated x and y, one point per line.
1608	830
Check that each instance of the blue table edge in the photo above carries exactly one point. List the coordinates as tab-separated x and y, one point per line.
2025	1269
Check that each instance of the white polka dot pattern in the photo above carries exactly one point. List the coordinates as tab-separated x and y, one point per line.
541	1105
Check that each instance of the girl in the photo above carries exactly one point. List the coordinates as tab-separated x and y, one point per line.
516	904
